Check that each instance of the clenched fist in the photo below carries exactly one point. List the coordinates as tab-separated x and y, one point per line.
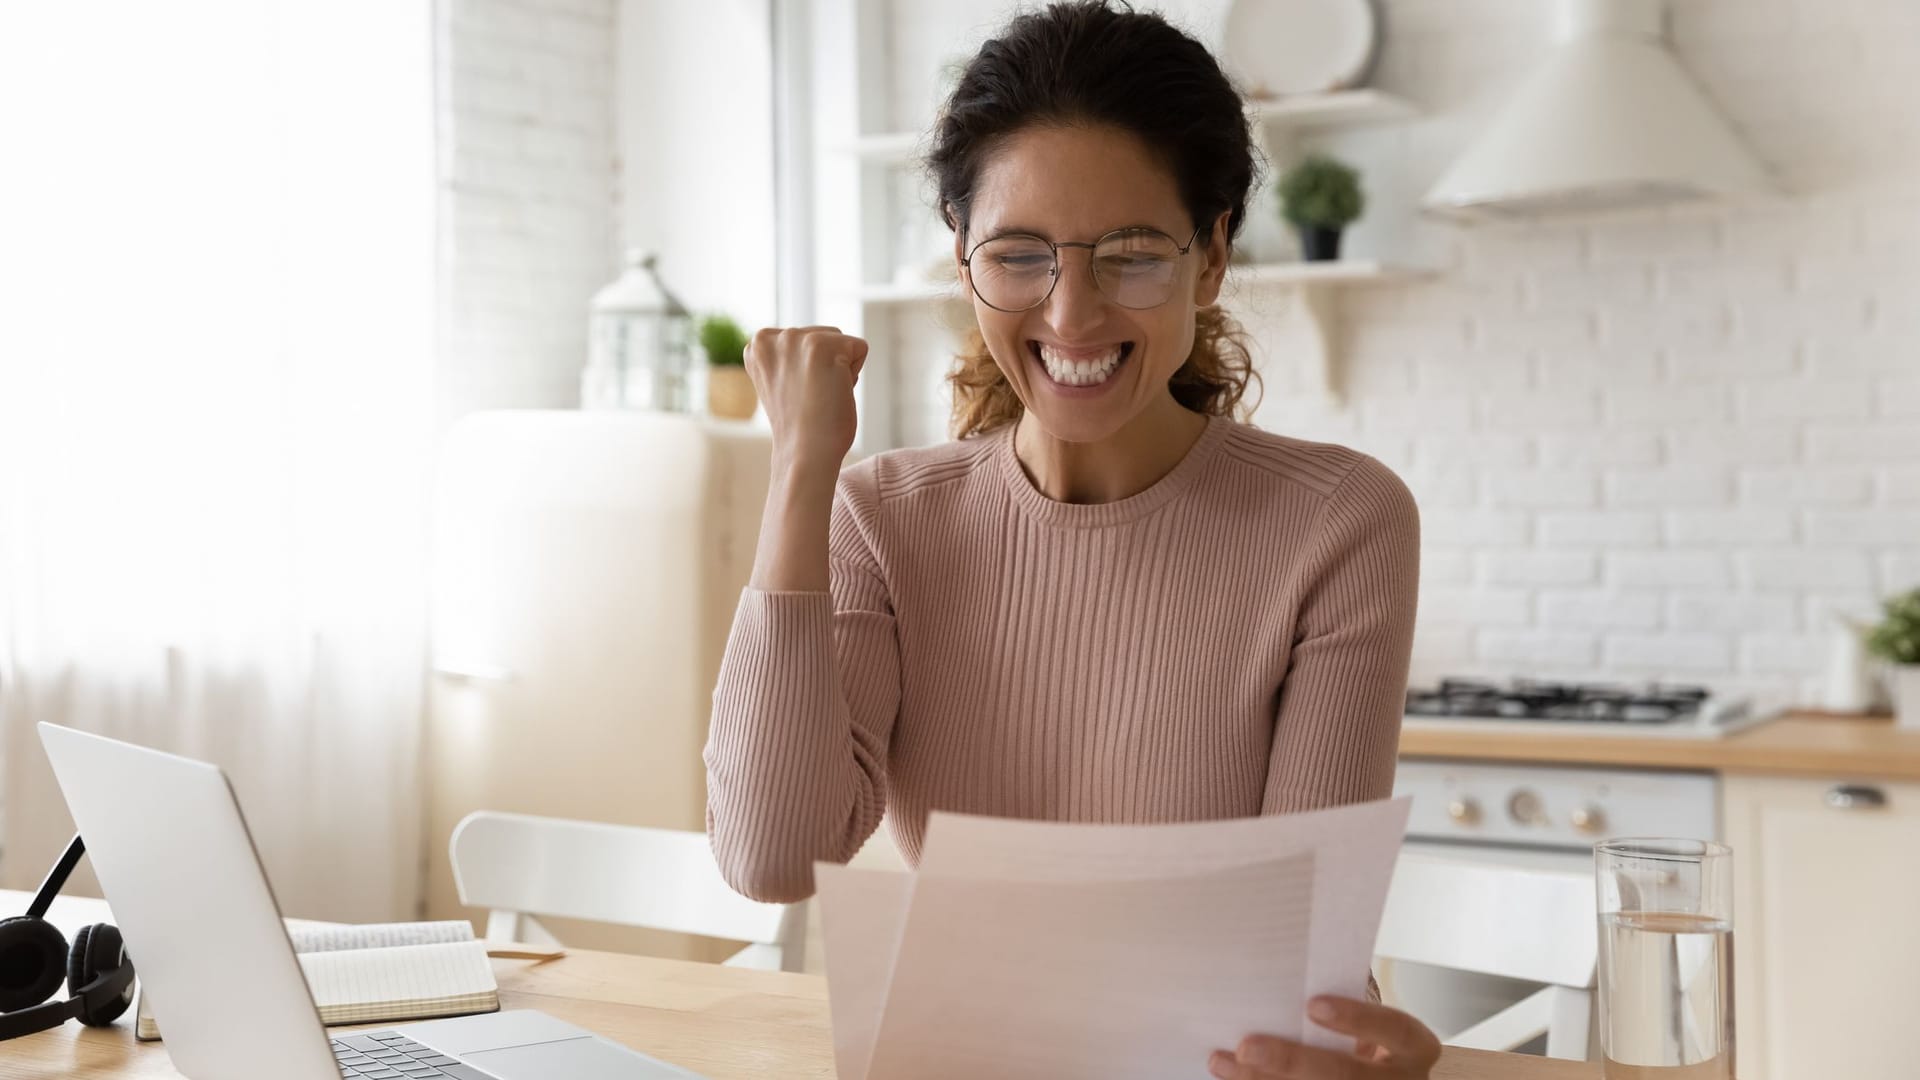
805	376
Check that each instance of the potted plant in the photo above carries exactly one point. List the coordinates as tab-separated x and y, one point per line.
1897	641
729	389
1320	196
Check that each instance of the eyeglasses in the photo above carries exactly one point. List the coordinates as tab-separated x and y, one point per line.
1133	267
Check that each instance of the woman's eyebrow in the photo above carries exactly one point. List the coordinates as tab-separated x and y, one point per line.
1022	230
1012	230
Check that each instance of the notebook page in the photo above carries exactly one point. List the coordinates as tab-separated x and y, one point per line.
1117	980
477	991
413	980
378	935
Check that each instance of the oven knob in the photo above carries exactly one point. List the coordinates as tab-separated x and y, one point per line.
1525	808
1588	819
1464	810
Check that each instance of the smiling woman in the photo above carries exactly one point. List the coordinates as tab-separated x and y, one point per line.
1108	602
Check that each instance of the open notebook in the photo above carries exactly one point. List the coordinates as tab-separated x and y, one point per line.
384	971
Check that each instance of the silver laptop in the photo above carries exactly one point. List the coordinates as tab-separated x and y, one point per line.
179	870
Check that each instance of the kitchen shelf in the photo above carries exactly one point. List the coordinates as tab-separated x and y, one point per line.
1314	285
912	293
1339	108
1334	272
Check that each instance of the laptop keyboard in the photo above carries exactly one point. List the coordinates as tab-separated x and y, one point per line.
389	1055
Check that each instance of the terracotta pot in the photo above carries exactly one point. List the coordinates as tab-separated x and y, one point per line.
730	393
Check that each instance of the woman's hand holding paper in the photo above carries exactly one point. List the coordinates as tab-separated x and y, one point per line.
1393	1046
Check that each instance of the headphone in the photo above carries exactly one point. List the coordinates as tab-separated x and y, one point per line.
34	958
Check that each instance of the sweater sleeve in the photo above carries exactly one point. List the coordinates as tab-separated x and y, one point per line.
803	711
1337	732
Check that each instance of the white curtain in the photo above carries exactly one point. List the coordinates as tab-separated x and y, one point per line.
216	323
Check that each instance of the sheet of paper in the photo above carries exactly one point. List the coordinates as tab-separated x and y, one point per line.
1354	849
1115	979
861	915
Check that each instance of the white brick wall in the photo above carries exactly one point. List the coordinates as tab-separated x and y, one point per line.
527	196
1685	439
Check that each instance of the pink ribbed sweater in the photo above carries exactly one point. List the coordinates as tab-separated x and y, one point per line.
1231	641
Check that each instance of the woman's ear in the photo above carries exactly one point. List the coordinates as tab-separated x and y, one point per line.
1207	289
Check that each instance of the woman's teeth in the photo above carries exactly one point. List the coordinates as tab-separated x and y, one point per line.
1071	371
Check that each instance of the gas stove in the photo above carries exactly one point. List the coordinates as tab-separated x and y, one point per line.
1528	705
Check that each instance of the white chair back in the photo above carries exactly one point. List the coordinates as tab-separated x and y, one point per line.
520	867
1535	924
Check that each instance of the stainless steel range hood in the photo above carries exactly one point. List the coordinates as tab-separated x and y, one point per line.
1608	122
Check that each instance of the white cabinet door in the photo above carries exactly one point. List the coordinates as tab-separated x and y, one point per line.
1826	927
587	568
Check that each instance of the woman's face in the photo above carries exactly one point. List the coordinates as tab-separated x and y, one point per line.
1081	363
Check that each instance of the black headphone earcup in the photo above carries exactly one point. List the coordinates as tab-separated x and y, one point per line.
97	949
32	955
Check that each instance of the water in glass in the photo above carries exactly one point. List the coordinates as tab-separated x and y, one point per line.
1669	1015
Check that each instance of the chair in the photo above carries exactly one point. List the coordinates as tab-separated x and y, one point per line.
520	867
1536	924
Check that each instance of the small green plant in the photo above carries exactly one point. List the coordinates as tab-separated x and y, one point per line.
723	341
1897	638
1321	192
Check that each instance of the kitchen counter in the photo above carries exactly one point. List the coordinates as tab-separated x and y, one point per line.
1799	743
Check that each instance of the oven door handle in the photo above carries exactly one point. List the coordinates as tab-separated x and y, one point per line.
1856	797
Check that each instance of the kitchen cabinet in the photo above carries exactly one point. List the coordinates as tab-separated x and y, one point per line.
1826	925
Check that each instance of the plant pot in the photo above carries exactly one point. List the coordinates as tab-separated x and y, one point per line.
1904	680
730	392
1318	243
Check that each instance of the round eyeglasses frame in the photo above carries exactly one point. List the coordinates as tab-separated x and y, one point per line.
1092	264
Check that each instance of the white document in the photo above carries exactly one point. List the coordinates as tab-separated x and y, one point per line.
861	915
1001	945
1354	849
1126	979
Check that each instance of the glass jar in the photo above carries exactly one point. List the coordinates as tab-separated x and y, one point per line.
638	351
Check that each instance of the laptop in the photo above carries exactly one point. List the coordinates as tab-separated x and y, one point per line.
180	872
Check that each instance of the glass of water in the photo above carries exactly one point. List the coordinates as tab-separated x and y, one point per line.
1666	958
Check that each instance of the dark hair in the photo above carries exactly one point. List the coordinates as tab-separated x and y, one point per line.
1085	63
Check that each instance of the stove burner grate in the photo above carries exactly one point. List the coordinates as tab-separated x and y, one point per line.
1526	699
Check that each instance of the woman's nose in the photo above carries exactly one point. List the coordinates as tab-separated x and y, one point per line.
1075	305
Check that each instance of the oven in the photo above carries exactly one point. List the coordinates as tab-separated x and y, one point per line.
1546	816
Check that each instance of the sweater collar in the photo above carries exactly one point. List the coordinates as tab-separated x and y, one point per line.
1095	515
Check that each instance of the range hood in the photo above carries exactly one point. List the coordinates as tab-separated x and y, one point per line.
1608	122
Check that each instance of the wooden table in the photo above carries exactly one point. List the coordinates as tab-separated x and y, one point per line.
721	1022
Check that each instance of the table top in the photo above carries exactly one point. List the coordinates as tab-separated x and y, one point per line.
724	1023
1800	743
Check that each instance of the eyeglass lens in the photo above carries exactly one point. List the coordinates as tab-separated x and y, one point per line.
1134	268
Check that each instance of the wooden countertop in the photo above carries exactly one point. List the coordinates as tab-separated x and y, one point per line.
722	1022
1800	743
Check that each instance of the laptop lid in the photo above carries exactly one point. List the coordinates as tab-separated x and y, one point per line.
179	870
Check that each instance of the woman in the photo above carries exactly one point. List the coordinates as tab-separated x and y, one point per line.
1107	601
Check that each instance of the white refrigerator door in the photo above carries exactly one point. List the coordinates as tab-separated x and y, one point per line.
587	566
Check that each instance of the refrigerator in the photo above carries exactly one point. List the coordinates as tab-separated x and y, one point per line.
586	570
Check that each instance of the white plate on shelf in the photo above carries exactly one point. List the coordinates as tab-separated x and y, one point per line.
1281	47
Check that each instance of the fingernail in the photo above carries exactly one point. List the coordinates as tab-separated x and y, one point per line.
1321	1010
1220	1064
